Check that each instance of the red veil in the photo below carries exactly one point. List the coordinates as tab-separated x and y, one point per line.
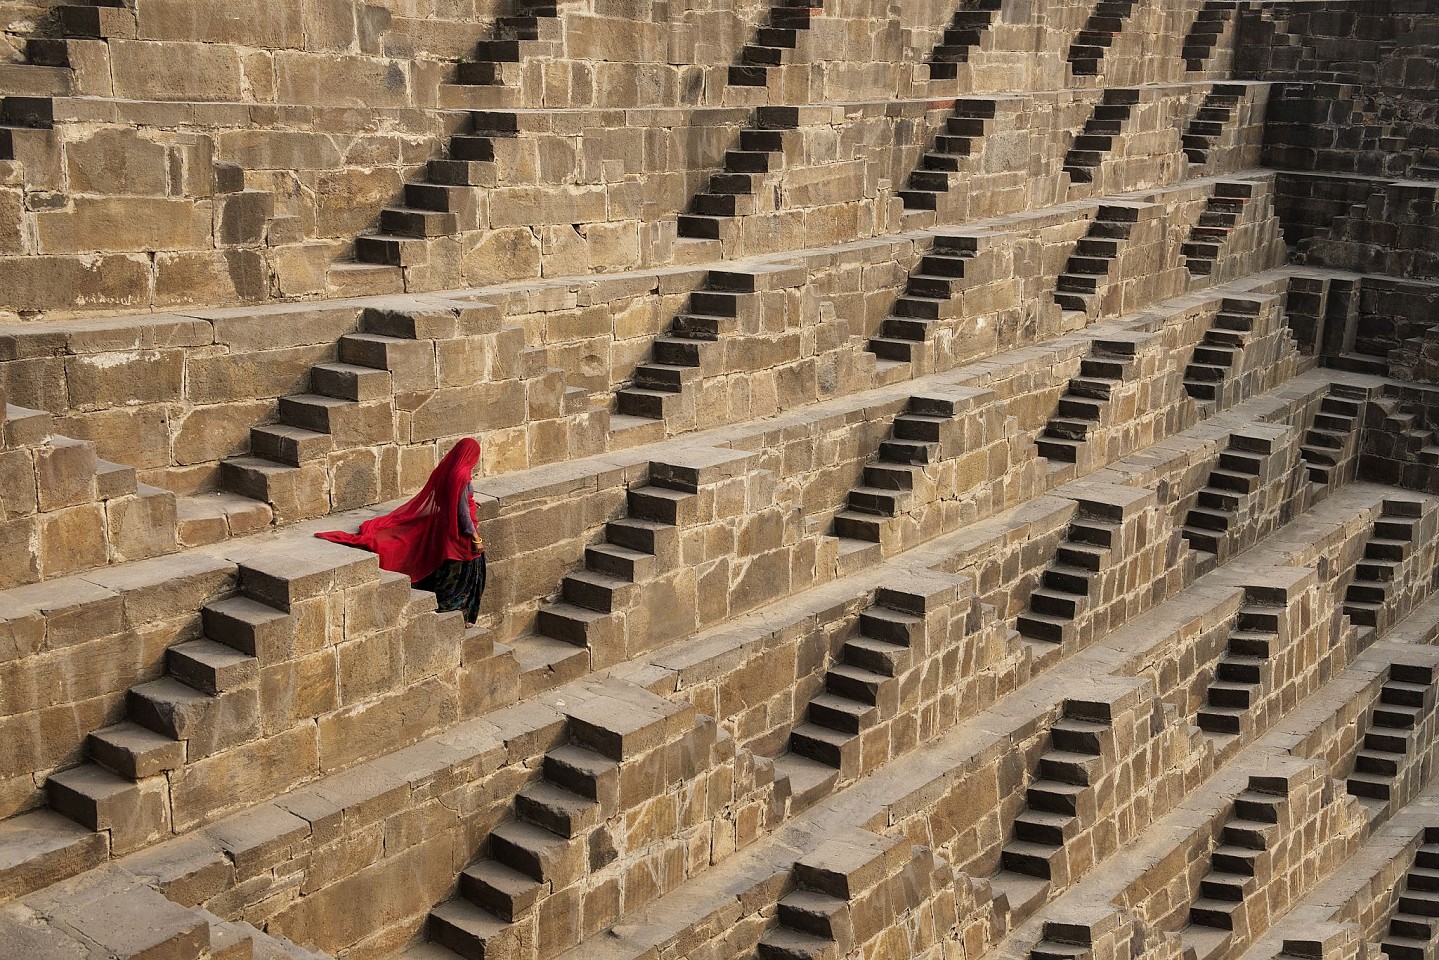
416	538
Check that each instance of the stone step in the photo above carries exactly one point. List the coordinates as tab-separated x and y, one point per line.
1227	887
505	892
571	623
556	809
815	913
1221	720
1062	578
842	714
169	707
247	625
211	667
1067	767
785	944
1046	628
661	504
535	852
1078	736
1405	694
1372	786
1030	859
832	748
470	931
350	381
134	752
92	796
889	625
620	563
857	683
1066	606
1219	914
876	656
1045	827
1236	860
583	772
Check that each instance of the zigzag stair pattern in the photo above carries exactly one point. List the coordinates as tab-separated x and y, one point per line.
786	19
1391	542
966	31
963	135
1096	139
1210	23
1217	223
1103	27
926	302
733	192
1055	795
1244	671
1406	697
1087	272
1238	862
1083	406
1413	928
1219	351
1215	113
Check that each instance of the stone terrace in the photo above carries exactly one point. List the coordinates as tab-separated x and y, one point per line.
961	478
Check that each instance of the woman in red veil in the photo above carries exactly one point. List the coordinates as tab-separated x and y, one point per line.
433	538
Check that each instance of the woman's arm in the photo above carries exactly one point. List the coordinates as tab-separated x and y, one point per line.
467	520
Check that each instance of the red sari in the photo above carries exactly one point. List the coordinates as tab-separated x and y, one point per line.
415	539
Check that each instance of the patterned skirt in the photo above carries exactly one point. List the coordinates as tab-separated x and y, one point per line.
457	585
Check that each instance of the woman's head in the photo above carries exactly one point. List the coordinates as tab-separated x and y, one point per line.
464	455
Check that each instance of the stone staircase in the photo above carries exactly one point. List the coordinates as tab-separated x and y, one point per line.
447	201
1240	474
837	890
1331	439
534	30
532	854
1210	23
926	433
1392	541
1059	798
1217	356
735	191
861	689
1217	223
1084	405
926	303
1096	139
558	824
966	31
1070	582
1391	741
1413	928
206	703
703	341
690	350
1214	115
1244	671
1103	27
786	19
1086	274
1239	863
1395	429
585	627
950	153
